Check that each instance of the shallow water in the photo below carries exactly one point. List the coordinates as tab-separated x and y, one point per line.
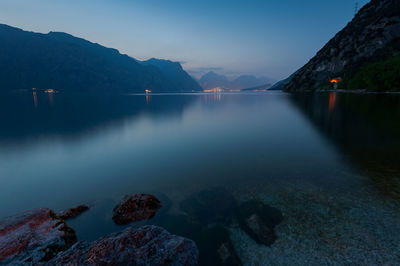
330	162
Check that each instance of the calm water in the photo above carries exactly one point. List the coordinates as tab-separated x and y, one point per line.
307	155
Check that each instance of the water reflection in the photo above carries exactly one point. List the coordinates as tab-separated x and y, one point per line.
332	100
50	96
212	97
366	128
35	100
67	115
304	154
148	99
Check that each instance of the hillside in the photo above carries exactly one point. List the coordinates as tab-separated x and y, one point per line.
63	62
361	53
175	74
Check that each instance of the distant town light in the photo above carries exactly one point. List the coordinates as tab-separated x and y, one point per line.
147	91
214	90
49	91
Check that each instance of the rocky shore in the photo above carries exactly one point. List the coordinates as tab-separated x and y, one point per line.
42	237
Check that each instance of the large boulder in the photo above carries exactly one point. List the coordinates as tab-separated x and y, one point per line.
148	245
33	236
258	221
136	207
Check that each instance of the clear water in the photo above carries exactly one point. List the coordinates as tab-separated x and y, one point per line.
59	151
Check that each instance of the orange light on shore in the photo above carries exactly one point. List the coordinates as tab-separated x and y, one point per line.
337	80
147	91
50	91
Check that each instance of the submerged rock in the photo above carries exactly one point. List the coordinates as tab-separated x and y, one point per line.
210	206
208	212
148	245
73	212
216	247
258	221
33	236
227	255
137	207
213	241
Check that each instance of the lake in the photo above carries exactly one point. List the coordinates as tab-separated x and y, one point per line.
330	162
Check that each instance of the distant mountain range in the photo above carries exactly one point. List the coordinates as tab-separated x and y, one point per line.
365	55
213	80
259	88
63	62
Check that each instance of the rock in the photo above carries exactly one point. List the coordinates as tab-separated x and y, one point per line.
210	206
216	248
258	221
148	245
260	231
33	236
213	241
73	212
227	255
137	207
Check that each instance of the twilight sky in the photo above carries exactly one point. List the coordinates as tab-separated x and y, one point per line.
262	37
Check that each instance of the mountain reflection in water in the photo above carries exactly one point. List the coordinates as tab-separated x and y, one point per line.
365	127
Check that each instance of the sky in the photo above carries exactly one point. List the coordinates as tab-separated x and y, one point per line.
271	38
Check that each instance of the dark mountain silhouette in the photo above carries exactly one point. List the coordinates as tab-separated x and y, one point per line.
280	85
259	88
213	80
175	74
63	62
247	81
365	54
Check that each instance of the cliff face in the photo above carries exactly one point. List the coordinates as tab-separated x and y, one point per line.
368	38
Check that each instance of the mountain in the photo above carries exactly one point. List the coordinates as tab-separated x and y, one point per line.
213	80
280	85
175	74
247	81
63	62
264	87
365	54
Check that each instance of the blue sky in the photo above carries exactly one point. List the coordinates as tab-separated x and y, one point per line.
266	38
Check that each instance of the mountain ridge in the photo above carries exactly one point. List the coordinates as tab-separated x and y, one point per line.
61	61
372	36
212	80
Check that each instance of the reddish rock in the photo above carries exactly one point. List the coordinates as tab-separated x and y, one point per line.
73	212
33	236
136	208
148	245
